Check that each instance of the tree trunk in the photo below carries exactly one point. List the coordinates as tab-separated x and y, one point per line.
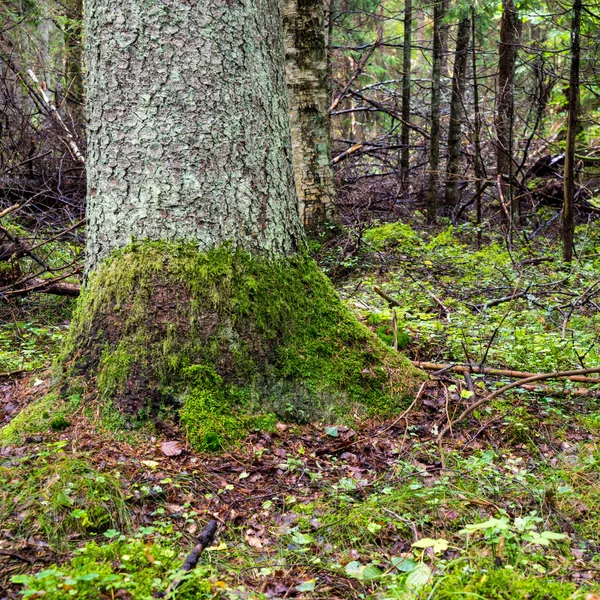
568	221
434	148
201	302
456	111
509	37
74	55
188	127
479	170
406	68
306	71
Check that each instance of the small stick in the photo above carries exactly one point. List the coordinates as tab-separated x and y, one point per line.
10	209
204	539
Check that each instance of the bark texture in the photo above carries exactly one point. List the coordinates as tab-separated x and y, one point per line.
188	134
306	72
568	217
456	111
434	149
406	69
505	103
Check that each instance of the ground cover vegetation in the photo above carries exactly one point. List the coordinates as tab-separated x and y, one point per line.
503	507
464	238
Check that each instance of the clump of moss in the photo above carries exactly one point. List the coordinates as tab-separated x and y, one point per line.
56	494
229	340
501	584
393	235
48	412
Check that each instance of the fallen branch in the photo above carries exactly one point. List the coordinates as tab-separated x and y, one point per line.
49	286
428	366
490	397
10	209
550	391
204	539
16	373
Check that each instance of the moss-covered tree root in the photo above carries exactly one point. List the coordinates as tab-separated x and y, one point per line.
228	342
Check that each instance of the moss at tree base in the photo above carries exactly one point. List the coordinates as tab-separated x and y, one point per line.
228	342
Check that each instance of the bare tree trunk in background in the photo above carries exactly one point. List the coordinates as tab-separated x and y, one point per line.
456	111
568	221
434	149
444	33
479	172
406	68
509	38
306	72
74	54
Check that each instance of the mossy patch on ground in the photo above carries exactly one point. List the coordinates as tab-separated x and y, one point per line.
56	494
230	341
500	584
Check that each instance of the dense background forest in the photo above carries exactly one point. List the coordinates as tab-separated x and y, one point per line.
452	198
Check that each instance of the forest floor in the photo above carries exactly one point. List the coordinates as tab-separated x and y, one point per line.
506	505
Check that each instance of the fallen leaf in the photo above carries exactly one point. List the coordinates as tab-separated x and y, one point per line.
150	463
171	448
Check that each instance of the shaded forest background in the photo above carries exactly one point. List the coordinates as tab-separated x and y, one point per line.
451	132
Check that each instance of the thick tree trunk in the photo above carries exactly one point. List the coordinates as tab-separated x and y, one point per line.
568	220
434	148
509	38
456	111
406	69
200	301
306	72
188	133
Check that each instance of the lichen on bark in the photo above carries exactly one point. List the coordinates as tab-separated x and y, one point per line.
229	341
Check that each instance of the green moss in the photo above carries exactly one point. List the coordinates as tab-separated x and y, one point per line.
34	418
393	235
501	584
229	340
55	494
136	567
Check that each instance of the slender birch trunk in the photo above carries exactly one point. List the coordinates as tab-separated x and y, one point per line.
306	71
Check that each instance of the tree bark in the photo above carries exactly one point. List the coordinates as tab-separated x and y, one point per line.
568	220
434	148
479	170
201	302
188	127
306	72
509	38
406	69
456	111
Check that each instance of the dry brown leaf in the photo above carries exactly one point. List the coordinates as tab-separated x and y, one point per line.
171	448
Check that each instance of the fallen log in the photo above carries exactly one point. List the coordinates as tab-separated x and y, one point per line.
47	286
428	366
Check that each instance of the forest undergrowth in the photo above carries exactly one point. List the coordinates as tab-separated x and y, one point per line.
506	505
